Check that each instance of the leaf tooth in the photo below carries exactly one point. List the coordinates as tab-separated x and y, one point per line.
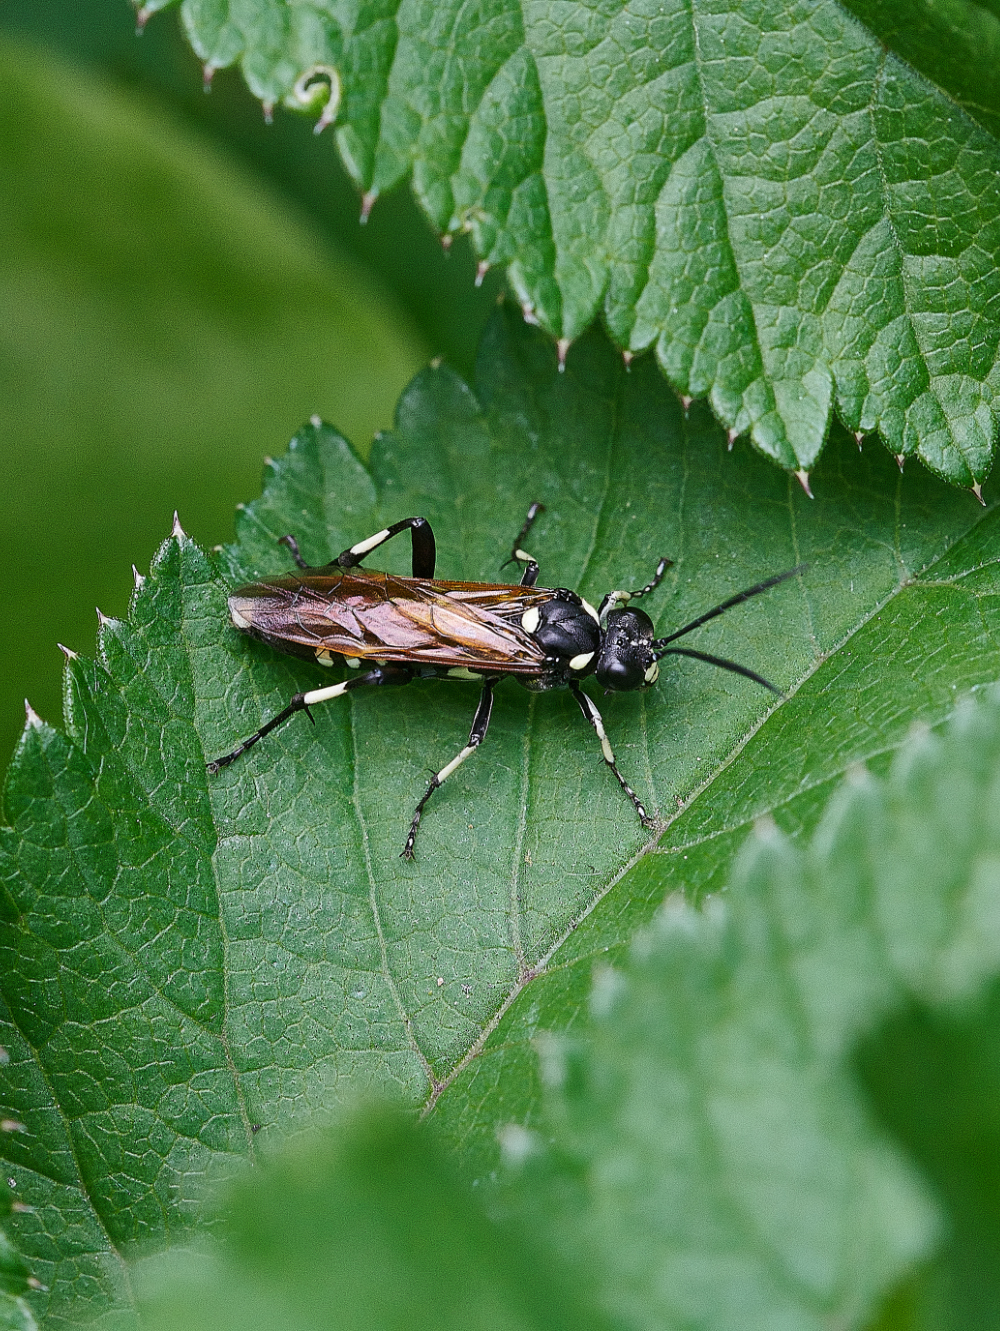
367	204
802	476
977	490
31	717
562	347
177	531
68	652
859	439
137	577
732	435
482	268
268	109
900	460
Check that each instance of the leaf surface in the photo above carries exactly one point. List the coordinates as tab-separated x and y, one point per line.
796	220
185	960
712	1162
705	1155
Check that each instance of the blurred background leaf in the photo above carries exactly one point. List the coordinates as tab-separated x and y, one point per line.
361	1227
180	287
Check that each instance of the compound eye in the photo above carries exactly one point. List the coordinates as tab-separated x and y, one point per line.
618	673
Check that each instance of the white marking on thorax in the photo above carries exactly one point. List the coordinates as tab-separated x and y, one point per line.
590	610
530	618
363	547
582	661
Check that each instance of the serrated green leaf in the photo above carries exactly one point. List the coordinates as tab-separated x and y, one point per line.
362	1227
795	219
186	959
704	1157
714	1164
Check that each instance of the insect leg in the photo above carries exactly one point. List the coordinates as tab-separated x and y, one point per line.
303	701
293	545
476	736
424	550
590	711
530	575
615	599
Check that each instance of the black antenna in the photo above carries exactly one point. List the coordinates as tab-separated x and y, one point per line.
725	665
728	605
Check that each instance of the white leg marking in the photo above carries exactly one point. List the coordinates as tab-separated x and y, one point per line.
363	547
446	772
652	673
324	695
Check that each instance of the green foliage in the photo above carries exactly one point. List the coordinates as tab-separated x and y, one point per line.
797	221
165	321
361	1227
184	960
704	1157
15	1315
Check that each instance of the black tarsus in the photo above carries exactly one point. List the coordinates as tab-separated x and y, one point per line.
293	545
530	575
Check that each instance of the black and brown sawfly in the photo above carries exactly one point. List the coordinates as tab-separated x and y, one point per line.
391	630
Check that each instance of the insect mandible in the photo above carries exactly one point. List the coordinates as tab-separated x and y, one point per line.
400	629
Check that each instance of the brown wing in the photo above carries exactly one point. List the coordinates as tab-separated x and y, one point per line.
376	615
